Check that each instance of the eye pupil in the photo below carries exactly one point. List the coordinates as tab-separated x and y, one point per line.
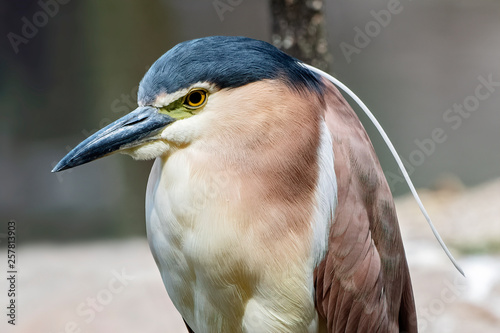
195	98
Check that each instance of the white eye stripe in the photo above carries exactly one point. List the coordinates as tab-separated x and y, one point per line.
166	99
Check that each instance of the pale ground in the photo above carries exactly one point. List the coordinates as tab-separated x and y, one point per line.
58	282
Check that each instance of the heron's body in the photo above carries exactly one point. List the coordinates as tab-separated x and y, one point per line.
267	209
238	231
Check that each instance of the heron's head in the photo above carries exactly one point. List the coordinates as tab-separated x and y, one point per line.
193	89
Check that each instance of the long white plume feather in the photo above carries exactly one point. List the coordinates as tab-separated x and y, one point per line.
394	153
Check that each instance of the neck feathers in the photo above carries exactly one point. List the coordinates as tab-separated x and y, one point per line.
266	137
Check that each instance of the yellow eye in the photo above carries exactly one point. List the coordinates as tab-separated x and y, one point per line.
195	98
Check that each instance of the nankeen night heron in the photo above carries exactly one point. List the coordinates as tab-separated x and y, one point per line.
266	208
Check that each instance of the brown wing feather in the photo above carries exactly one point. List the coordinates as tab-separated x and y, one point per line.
363	284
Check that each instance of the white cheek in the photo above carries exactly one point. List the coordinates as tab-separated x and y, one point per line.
148	151
185	130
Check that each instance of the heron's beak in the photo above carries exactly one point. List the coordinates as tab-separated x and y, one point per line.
134	129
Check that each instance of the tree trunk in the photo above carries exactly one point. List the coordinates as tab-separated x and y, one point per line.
299	30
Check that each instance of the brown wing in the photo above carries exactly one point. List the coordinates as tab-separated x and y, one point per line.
363	284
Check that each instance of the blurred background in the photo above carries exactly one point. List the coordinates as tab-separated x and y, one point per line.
69	69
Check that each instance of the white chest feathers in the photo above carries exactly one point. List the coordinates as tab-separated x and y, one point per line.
219	263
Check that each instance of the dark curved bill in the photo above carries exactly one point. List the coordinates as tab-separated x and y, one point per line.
131	130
